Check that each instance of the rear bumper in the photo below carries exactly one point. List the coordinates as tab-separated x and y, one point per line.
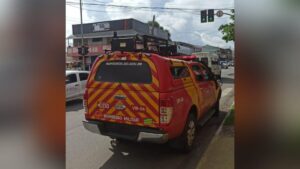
129	132
152	137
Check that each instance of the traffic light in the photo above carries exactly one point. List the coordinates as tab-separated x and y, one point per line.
83	50
203	16
211	15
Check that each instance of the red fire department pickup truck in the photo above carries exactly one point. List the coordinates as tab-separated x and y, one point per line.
145	97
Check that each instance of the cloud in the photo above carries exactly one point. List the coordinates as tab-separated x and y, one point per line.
183	25
121	13
73	17
214	40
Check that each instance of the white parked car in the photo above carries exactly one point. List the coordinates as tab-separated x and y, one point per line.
75	84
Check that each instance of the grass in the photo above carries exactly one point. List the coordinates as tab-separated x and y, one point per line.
230	119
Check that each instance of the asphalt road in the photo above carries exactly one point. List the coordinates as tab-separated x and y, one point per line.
85	150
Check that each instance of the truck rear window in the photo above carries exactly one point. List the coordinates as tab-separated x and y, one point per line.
124	72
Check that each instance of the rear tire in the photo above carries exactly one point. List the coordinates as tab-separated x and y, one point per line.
186	141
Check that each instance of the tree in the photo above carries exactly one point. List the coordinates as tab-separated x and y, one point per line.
157	25
228	29
169	34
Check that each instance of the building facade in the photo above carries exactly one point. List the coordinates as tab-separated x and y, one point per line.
224	54
97	36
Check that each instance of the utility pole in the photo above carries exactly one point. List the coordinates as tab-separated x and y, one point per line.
152	30
83	62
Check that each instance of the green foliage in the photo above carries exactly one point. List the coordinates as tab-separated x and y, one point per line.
228	30
156	24
230	119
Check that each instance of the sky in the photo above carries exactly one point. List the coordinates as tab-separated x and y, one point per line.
184	26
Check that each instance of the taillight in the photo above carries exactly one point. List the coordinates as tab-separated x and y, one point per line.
85	99
166	111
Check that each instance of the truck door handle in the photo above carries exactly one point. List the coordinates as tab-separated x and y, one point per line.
77	85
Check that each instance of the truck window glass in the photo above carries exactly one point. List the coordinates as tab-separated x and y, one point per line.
124	72
71	78
206	72
197	71
180	72
195	67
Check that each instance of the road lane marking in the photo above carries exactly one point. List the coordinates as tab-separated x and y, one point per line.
226	91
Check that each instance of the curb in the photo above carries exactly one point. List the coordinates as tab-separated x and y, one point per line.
204	158
222	124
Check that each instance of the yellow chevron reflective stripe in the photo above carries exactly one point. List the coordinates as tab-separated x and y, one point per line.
150	63
147	97
155	81
105	94
150	112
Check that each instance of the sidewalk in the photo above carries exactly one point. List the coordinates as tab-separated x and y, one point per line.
220	152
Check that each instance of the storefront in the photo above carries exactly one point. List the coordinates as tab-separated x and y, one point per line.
94	52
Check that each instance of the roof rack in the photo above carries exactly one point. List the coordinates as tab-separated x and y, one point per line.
139	43
147	44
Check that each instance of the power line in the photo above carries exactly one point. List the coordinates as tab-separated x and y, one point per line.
139	3
158	9
145	7
170	4
130	10
87	9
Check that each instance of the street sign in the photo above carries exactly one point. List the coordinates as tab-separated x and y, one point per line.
219	13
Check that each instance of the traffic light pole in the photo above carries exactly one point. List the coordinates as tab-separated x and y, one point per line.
152	29
227	14
83	58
